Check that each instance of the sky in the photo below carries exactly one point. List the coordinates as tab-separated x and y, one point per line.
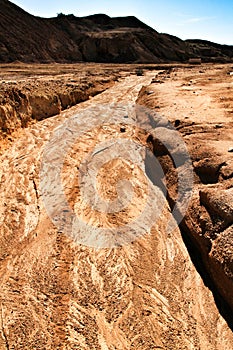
198	19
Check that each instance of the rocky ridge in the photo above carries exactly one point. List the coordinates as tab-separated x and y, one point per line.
96	38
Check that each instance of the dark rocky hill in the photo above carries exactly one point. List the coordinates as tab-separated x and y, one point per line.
96	38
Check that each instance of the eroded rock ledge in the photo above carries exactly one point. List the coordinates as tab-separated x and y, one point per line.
208	222
23	102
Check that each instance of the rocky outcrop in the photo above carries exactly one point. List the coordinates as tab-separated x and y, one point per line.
219	203
209	218
211	51
207	223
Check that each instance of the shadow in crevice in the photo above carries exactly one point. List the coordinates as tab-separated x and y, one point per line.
197	260
156	175
154	171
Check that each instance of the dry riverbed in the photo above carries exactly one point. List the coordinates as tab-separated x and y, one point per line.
161	290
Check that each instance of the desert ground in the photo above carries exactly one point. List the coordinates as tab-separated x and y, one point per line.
116	277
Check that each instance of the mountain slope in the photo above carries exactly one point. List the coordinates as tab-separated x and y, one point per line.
96	38
31	38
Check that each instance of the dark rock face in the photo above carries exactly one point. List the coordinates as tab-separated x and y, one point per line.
211	51
97	38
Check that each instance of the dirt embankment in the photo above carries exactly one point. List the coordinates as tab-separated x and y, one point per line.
199	103
32	93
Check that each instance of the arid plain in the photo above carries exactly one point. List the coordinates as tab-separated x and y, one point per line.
163	289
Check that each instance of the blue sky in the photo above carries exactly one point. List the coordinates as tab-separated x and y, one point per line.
200	19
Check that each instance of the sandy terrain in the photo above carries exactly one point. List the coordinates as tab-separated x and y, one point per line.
199	102
95	286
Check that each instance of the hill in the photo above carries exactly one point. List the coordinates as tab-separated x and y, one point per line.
96	38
